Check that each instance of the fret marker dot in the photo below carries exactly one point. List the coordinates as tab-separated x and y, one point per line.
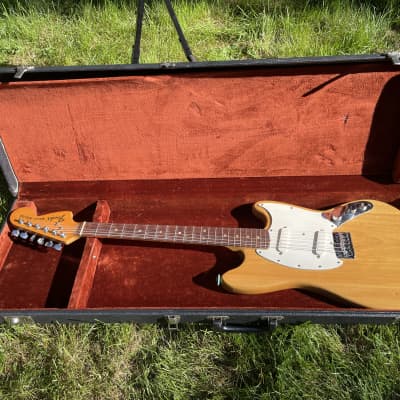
179	233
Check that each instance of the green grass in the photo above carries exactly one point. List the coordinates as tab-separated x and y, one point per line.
119	361
100	32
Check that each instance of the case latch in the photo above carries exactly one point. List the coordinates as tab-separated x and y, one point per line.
273	321
173	322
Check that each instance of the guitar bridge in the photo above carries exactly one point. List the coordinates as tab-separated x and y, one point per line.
343	245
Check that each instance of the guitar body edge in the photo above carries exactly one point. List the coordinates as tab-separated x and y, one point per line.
371	279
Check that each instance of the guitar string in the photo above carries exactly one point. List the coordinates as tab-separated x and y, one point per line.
321	249
151	233
109	228
323	246
248	235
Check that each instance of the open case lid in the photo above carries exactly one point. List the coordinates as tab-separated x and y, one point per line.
300	117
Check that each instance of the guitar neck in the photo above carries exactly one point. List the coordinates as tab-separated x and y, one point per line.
205	235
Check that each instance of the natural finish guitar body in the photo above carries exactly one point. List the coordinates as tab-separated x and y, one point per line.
351	252
371	279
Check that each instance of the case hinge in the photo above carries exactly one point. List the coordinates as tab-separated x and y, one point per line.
18	319
21	69
173	322
395	57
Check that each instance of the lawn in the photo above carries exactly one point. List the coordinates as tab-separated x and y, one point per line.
119	361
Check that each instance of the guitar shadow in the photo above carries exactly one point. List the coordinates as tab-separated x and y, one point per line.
227	259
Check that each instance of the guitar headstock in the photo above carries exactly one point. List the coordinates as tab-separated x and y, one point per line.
51	230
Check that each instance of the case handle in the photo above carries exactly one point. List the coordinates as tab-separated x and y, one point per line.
267	324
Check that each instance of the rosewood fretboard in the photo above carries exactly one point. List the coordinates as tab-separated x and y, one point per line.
206	235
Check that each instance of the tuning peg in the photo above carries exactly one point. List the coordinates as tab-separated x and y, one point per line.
40	241
23	235
49	243
32	238
15	233
57	246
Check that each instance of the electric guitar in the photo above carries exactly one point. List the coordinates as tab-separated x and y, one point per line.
351	252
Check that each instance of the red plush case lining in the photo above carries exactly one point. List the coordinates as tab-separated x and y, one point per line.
188	149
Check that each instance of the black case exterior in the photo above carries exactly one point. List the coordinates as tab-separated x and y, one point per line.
228	320
31	73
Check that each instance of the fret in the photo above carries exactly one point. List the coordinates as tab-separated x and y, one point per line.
236	240
221	238
194	228
196	234
129	231
156	233
225	232
180	236
145	231
208	236
95	231
245	237
166	232
134	234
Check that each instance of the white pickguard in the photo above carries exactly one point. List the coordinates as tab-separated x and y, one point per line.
299	238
